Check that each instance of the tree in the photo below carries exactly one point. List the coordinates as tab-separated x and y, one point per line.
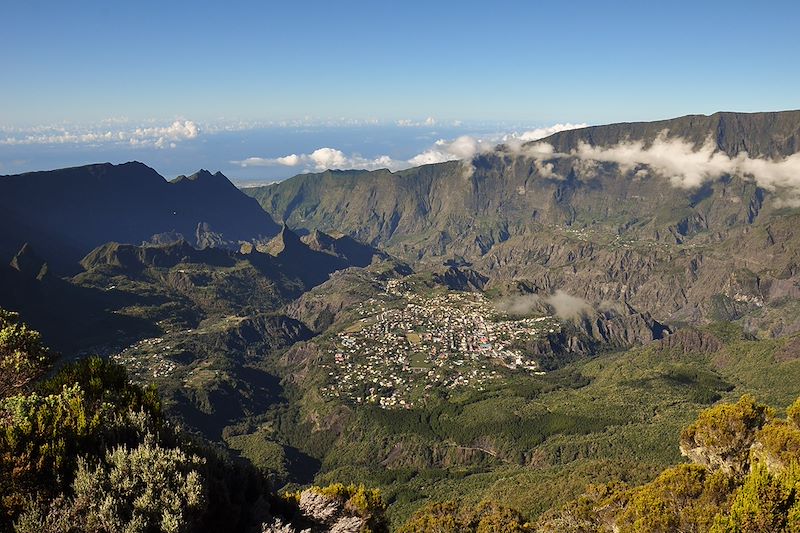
23	357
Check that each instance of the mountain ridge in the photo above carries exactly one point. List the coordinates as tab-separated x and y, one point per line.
772	133
600	231
66	213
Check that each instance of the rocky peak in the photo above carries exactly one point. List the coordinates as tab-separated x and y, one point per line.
206	237
204	179
319	241
134	258
286	241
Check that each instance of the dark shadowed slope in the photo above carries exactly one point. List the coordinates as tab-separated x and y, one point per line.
66	213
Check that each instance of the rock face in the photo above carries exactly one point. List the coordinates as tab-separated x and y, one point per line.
260	334
313	260
722	436
772	134
27	263
725	250
323	514
66	213
322	306
506	194
686	341
343	246
461	279
595	331
133	258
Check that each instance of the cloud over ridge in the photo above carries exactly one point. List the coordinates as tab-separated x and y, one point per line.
464	147
683	163
680	161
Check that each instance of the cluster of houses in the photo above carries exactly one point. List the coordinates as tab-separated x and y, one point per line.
409	346
146	359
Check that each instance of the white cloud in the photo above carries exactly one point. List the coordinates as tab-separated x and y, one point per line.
155	136
185	129
541	133
517	142
324	159
567	306
678	160
464	147
545	170
467	147
409	123
291	160
329	158
688	166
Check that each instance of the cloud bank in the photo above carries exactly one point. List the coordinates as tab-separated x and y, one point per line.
678	160
156	136
564	305
324	159
464	147
408	123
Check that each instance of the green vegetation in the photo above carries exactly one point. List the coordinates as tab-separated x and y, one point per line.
407	378
23	358
87	450
455	517
745	478
46	432
146	488
534	442
357	501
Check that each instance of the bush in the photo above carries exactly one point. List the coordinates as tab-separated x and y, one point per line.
683	498
457	517
748	481
23	357
147	488
722	435
764	503
86	408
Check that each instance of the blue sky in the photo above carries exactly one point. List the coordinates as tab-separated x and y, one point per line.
257	88
537	61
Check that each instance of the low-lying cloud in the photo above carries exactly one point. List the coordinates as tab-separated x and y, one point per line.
158	136
681	162
464	147
324	159
564	305
520	305
567	306
408	123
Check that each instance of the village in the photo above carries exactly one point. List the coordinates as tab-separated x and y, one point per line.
147	359
409	347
